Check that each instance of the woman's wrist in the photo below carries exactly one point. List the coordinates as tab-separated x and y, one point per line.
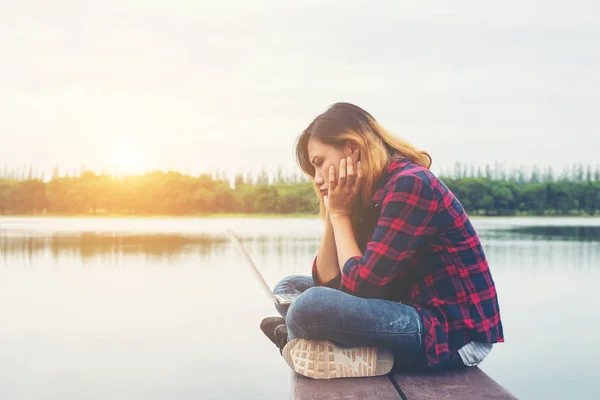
328	224
339	215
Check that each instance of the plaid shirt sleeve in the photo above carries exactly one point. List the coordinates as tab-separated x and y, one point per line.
408	218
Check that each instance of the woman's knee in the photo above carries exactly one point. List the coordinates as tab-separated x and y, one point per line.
310	309
284	284
291	284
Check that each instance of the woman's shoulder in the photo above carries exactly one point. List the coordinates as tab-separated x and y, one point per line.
416	184
405	173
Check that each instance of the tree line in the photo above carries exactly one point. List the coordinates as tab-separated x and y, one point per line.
482	191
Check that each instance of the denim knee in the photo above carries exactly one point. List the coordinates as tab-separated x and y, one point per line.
308	310
293	284
284	285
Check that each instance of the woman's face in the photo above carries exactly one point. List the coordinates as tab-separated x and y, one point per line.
322	156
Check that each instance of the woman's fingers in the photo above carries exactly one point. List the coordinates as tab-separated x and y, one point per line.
359	176
351	176
342	180
332	182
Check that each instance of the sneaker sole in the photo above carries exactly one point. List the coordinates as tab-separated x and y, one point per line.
325	360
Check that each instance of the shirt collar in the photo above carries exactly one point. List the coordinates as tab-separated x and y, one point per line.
397	163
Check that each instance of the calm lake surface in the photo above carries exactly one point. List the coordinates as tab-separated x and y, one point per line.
165	308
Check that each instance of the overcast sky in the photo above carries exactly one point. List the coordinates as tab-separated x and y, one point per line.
196	85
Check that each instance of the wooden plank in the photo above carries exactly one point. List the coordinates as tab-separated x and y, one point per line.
380	388
466	384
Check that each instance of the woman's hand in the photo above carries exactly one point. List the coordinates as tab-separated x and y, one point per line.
344	192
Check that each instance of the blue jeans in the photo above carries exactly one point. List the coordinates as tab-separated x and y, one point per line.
322	313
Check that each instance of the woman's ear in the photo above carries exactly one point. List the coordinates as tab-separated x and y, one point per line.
354	149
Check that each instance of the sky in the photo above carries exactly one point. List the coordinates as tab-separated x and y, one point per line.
197	86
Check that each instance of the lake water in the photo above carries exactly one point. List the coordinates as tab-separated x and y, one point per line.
165	308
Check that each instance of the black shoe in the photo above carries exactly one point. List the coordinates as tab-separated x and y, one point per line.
274	328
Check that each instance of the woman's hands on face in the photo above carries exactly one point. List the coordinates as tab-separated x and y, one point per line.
344	191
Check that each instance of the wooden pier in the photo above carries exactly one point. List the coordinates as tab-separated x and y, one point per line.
467	384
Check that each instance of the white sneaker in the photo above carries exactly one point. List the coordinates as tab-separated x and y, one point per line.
325	360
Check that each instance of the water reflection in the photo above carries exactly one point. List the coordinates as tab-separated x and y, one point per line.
89	245
111	247
575	233
578	243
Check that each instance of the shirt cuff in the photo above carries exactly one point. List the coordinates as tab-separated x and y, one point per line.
351	264
334	283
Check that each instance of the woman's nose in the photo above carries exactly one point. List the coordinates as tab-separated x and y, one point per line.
319	179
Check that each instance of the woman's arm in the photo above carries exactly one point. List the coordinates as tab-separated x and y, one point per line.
327	265
407	220
345	239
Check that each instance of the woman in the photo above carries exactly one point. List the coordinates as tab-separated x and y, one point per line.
400	277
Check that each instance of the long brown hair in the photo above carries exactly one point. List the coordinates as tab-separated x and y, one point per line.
343	122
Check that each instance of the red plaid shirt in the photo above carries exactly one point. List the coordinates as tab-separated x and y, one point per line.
424	252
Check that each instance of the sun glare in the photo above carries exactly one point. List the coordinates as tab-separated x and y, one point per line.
127	159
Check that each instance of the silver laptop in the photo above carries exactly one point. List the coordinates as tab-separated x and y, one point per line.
283	299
